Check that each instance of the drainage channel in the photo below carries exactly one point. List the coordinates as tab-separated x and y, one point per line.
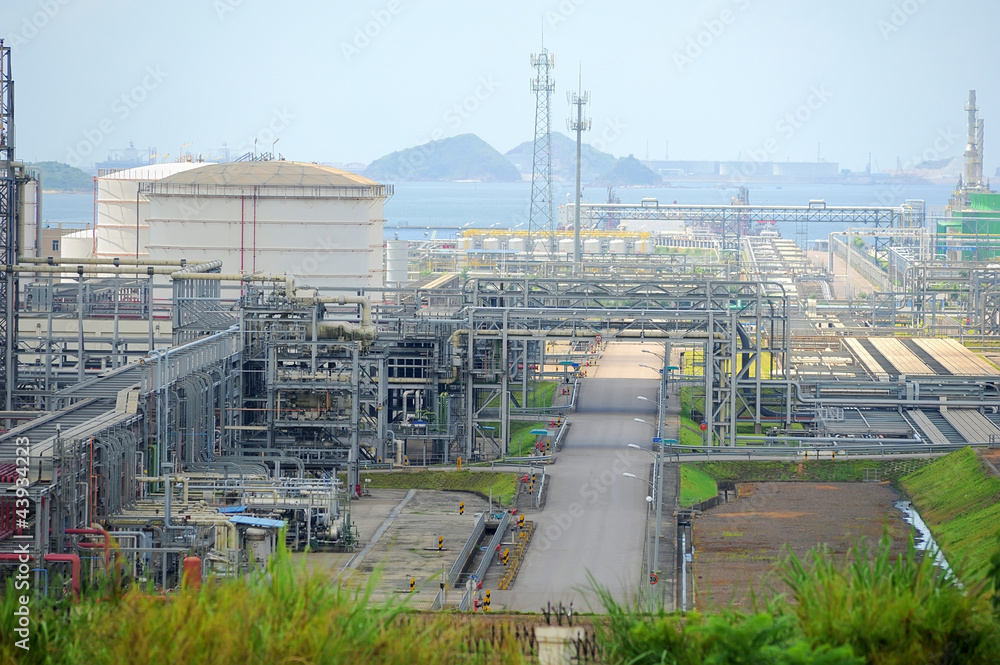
924	541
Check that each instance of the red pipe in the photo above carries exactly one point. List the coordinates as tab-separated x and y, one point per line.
73	559
12	556
95	532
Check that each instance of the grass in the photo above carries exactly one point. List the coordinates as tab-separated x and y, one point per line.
872	606
522	441
283	616
846	471
696	485
502	485
959	500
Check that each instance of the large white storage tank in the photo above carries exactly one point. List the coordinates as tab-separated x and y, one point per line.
616	246
122	213
566	245
321	224
491	243
516	244
591	246
396	263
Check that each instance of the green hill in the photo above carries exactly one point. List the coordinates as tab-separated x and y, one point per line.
959	499
593	162
59	177
628	171
464	157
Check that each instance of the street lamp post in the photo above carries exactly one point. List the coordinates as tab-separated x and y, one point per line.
649	566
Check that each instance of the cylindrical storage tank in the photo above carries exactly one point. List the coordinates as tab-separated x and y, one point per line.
123	210
464	243
516	244
591	246
643	246
491	243
566	245
617	246
396	262
259	544
192	572
541	246
320	224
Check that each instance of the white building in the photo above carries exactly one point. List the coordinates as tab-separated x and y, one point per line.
321	224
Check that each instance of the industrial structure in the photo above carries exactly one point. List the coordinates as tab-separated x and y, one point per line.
197	397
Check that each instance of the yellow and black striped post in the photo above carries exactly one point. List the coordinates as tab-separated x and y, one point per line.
440	543
413	583
506	555
486	601
520	521
461	508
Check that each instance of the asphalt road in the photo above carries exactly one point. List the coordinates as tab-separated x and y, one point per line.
594	521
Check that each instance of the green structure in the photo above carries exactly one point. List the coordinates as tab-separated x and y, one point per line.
973	233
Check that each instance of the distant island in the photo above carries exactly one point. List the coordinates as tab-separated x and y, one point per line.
593	162
459	158
59	177
629	172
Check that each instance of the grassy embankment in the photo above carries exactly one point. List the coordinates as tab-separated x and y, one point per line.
522	441
502	485
696	485
958	498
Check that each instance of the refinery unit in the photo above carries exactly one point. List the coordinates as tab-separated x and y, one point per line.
213	365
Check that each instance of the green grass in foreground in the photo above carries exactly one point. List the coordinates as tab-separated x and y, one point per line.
871	606
502	485
696	485
285	617
959	500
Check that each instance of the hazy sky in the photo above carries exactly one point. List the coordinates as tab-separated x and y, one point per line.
341	81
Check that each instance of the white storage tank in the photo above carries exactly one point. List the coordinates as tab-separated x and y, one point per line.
617	246
566	245
396	263
541	246
643	246
491	243
321	224
591	246
516	244
122	213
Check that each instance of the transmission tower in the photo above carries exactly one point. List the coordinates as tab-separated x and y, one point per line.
579	124
541	217
8	231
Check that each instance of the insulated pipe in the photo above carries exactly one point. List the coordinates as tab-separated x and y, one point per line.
93	270
115	261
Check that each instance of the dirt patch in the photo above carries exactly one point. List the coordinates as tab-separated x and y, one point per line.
739	544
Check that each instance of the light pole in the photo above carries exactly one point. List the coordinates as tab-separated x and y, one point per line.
649	566
659	499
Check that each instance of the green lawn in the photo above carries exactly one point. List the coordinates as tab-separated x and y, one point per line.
503	485
959	500
696	485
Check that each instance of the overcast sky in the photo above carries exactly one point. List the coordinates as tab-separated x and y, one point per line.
339	81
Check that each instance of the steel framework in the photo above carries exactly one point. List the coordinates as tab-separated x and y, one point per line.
541	215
